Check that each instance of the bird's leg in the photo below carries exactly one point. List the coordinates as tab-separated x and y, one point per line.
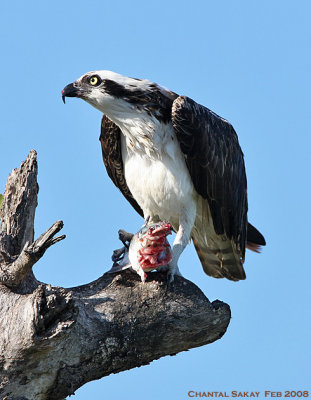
180	242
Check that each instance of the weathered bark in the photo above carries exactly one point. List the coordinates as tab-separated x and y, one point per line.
53	340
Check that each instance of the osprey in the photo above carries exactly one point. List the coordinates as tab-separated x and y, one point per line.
175	160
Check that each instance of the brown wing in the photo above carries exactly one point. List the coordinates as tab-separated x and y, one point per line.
216	165
110	139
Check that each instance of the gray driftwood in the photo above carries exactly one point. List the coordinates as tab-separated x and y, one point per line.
54	340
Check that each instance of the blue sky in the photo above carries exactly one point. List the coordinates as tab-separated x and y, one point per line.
250	62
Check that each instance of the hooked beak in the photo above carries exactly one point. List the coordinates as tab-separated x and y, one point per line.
70	91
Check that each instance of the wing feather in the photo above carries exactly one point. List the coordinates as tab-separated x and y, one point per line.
110	139
216	165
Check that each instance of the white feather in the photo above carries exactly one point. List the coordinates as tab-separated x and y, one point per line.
156	172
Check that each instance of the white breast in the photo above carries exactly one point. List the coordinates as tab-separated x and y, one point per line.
159	181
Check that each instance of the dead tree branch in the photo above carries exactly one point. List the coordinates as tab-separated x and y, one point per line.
54	340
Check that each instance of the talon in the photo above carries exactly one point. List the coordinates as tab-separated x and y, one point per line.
170	278
172	271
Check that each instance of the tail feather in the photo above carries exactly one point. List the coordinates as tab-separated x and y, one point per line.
219	262
219	256
255	239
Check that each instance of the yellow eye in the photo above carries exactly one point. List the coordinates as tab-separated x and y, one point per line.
94	80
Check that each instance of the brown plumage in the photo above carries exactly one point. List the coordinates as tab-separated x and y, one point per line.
111	150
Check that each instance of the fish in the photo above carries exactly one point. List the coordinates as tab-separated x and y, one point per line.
145	251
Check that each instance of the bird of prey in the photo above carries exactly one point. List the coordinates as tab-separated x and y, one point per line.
174	159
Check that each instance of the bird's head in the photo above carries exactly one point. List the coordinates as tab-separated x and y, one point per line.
95	87
107	89
115	95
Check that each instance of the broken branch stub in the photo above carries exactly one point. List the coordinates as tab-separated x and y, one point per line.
19	205
18	251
